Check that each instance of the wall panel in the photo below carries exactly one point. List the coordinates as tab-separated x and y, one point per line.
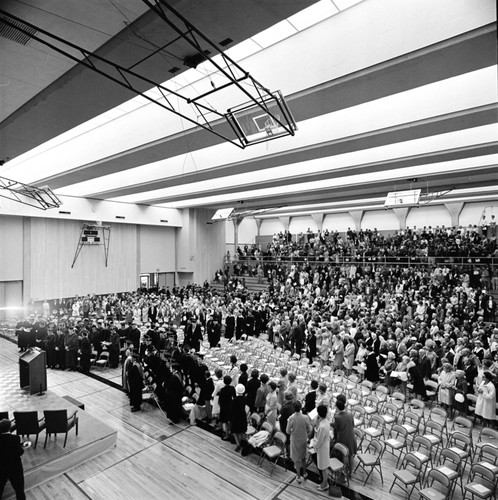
11	248
157	248
53	244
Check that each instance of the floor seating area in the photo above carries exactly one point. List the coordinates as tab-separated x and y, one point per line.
423	452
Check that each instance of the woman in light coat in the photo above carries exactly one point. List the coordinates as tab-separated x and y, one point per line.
486	399
322	445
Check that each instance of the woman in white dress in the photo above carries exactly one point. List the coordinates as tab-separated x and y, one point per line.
447	382
322	445
486	399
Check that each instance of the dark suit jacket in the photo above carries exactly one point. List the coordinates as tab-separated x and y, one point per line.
310	401
10	452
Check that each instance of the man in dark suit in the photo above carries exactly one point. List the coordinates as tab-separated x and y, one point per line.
310	398
10	460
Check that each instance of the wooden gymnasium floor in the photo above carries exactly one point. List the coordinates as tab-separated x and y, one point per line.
153	459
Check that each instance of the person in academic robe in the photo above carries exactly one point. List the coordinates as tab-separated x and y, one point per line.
85	352
174	394
229	325
114	348
136	383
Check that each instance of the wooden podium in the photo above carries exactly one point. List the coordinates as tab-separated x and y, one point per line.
33	371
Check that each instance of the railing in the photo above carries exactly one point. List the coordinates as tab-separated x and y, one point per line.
405	261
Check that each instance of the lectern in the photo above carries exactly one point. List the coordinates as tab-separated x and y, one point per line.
33	371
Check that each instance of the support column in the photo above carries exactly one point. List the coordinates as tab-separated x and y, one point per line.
236	222
357	216
285	221
258	225
318	218
455	209
402	214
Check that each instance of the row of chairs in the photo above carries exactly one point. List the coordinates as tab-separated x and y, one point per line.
28	423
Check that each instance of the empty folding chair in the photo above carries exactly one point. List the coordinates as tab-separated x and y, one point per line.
450	464
439	415
381	392
359	415
359	434
434	431
418	407
397	441
390	414
376	428
481	483
339	463
371	459
371	405
422	449
462	444
438	486
486	436
399	399
409	475
354	397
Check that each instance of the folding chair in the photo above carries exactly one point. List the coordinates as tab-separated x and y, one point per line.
462	444
390	414
254	424
358	415
486	436
481	483
376	429
398	441
339	463
422	449
381	392
450	464
399	399
409	475
103	360
275	450
439	486
354	398
371	460
439	415
431	387
434	433
418	407
371	405
359	434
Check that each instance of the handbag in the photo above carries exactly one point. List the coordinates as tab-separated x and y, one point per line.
335	491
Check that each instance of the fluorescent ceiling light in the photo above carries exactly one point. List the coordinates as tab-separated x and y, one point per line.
275	34
243	50
313	14
345	4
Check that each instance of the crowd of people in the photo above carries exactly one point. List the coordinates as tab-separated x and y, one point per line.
393	325
329	246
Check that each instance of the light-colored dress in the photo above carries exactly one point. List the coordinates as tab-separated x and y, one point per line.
298	428
322	444
271	408
446	387
486	401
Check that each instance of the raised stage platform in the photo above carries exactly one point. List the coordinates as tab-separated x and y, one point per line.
94	437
